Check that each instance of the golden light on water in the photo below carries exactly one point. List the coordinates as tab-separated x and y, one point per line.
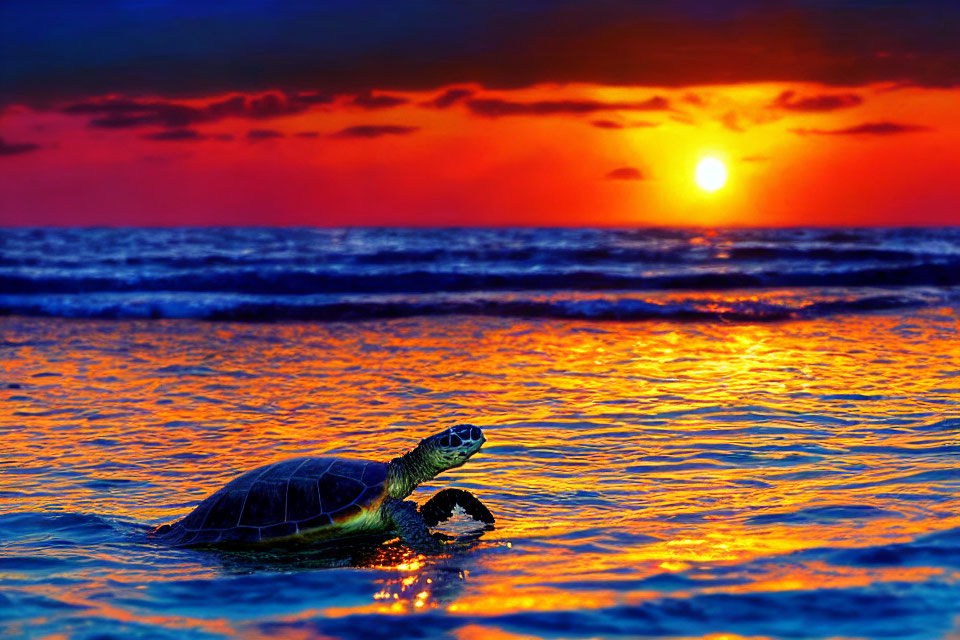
711	174
616	452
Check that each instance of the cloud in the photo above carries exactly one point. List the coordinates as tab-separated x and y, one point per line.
789	100
123	113
115	121
255	135
234	106
260	107
496	107
754	158
273	105
367	100
308	134
731	121
449	98
625	173
611	124
175	135
866	129
373	131
14	149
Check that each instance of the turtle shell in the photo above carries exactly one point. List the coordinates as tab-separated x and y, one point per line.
284	499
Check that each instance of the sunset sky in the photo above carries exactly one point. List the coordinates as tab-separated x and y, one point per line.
156	112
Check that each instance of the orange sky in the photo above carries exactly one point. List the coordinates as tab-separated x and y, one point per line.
876	154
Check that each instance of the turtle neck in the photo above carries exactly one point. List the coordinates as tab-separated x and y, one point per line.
408	471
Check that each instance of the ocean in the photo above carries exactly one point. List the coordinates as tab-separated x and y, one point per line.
737	433
262	274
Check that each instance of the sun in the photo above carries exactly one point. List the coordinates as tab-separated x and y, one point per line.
711	174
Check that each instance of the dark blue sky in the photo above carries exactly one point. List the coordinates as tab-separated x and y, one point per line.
63	50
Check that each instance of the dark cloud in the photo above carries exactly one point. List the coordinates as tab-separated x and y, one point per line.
255	135
373	131
496	108
126	113
175	135
625	173
866	129
449	98
123	113
151	48
611	124
235	106
115	121
158	113
367	100
261	107
273	105
14	149
789	100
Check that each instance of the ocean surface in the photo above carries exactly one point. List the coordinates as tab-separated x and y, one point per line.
690	434
253	274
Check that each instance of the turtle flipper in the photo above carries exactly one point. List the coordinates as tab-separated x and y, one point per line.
440	507
413	531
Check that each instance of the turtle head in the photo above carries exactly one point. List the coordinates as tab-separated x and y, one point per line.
432	456
451	448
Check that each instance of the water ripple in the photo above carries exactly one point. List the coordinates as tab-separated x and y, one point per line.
794	480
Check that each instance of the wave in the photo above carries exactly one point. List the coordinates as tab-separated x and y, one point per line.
674	254
287	308
303	282
335	274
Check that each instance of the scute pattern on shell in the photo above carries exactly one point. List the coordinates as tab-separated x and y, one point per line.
284	498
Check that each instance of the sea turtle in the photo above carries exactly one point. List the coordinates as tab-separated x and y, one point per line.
307	500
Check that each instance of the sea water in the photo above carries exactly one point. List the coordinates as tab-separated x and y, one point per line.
736	433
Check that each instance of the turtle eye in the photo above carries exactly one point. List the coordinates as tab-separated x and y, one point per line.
455	440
